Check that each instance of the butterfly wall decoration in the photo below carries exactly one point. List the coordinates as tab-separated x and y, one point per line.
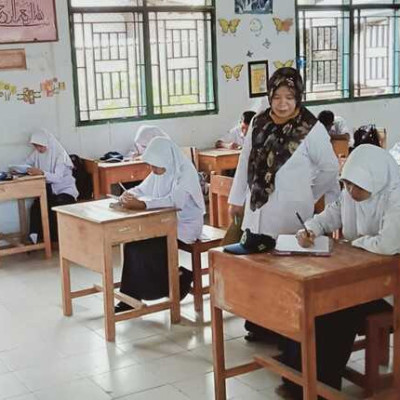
229	26
280	64
283	25
232	72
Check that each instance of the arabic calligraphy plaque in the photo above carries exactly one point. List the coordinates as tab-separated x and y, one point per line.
23	21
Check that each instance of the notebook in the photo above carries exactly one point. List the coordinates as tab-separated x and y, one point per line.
288	245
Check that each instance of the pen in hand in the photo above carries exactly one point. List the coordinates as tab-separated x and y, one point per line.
122	186
303	224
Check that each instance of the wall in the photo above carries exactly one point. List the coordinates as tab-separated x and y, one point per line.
50	60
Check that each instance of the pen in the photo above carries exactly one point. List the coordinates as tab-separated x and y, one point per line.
303	224
122	186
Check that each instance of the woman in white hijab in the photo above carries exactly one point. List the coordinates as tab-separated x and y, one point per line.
368	212
173	182
50	159
143	137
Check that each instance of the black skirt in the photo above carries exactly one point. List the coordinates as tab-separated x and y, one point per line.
145	271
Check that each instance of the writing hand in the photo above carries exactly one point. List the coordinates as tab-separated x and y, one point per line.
305	240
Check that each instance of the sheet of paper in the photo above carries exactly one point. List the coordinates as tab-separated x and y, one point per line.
288	243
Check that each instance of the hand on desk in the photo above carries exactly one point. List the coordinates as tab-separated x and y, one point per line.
34	171
305	240
129	201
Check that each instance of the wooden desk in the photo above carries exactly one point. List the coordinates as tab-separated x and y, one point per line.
106	174
88	231
218	160
340	144
285	294
20	189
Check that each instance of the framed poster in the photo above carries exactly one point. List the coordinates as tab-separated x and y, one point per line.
25	21
258	78
12	59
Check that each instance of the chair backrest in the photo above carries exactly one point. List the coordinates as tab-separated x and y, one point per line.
193	154
382	134
220	187
340	144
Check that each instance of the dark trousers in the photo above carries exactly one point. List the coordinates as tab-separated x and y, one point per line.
53	200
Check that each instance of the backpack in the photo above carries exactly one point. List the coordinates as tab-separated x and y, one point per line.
83	179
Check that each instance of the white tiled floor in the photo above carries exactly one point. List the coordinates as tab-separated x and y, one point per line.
46	356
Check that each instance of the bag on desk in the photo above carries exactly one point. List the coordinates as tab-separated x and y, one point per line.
234	232
112	157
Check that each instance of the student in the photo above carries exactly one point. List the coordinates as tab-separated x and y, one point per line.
234	139
368	212
143	137
286	165
366	134
173	182
334	124
50	159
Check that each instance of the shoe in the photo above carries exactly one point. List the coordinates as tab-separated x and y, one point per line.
253	337
185	281
121	307
33	237
287	392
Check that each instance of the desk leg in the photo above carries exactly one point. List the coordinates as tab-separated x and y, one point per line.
23	221
308	355
45	225
218	353
108	295
66	286
396	335
173	277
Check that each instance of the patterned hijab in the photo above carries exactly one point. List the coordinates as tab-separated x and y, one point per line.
274	143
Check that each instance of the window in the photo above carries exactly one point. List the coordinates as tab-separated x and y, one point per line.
349	49
137	59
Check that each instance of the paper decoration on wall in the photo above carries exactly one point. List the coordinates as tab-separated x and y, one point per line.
280	64
253	6
7	90
266	43
249	54
29	96
229	26
256	26
50	87
283	25
232	72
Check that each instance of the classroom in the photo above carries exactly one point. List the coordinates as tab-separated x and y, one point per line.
199	199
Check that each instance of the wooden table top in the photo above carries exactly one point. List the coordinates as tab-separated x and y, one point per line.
344	258
23	178
219	152
100	212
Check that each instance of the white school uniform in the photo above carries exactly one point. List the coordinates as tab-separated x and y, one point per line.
54	162
235	135
178	187
143	137
372	224
299	183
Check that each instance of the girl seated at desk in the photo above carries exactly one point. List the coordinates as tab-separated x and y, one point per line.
143	137
50	159
368	212
173	182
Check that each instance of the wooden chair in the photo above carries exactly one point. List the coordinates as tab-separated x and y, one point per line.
211	238
220	186
376	344
193	154
382	134
340	144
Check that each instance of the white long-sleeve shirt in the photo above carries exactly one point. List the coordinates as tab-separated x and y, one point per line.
308	174
235	135
190	216
61	179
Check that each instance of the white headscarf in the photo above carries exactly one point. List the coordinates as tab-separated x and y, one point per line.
54	153
164	153
373	169
145	134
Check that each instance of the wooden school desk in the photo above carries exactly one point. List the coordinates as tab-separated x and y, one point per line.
88	231
218	160
106	174
285	294
20	189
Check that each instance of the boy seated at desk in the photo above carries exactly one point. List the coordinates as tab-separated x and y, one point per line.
368	212
334	124
234	139
143	137
173	182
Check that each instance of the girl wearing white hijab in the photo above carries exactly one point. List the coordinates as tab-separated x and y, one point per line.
368	212
50	159
143	137
172	183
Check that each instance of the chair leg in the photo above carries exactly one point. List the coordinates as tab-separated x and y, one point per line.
197	281
384	340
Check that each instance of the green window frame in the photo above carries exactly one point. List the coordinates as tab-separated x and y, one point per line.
143	59
348	50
